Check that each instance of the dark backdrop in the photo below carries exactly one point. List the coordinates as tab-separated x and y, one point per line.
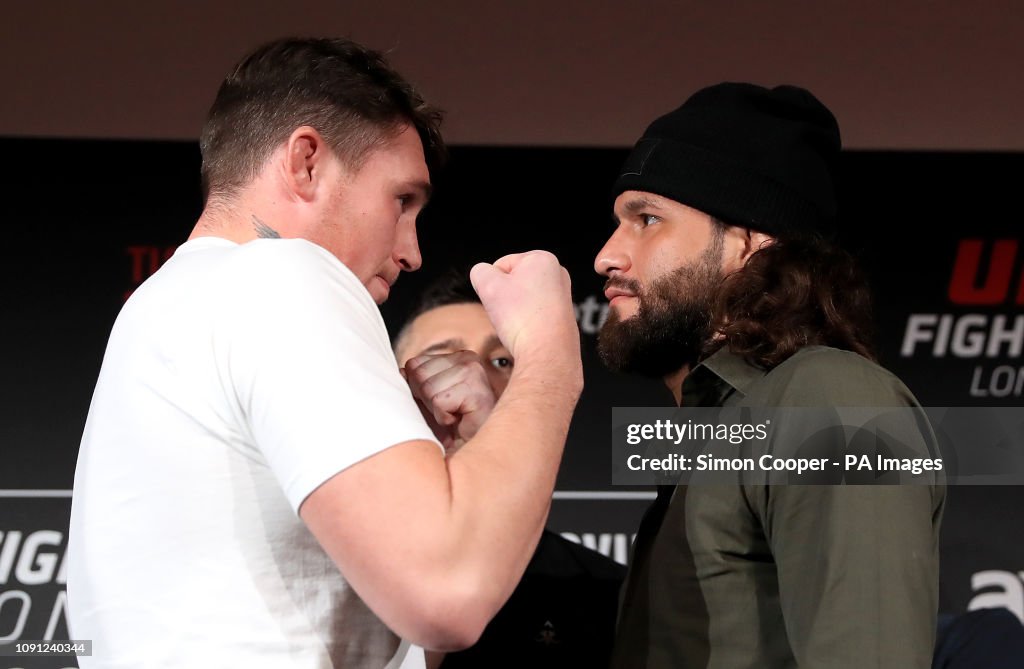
86	222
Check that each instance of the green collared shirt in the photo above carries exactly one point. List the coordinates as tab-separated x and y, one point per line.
729	577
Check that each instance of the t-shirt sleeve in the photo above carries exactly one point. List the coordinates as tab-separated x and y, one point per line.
303	350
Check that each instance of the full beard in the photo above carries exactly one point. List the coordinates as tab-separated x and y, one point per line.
671	326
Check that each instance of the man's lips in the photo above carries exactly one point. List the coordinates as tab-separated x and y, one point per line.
612	293
386	284
388	280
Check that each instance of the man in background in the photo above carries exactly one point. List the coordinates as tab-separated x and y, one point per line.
256	486
722	281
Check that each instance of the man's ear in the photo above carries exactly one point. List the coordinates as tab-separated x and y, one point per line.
741	244
754	241
305	160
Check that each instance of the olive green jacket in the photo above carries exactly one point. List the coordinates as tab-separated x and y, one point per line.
730	577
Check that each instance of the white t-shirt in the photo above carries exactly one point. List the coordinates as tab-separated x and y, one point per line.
237	379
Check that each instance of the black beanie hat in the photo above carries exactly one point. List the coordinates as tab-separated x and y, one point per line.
750	156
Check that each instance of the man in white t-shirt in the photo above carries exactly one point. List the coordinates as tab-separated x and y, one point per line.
256	486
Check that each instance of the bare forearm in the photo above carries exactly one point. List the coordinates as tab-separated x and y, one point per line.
501	480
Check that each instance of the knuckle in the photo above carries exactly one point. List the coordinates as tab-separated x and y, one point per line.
418	378
464	357
431	390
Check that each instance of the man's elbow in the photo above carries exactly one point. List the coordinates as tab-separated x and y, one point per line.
453	616
453	633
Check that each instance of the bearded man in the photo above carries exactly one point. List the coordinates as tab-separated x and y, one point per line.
723	282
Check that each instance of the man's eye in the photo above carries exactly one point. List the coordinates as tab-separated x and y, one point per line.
502	363
649	219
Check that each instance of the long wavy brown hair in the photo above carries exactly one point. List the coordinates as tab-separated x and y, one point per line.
791	294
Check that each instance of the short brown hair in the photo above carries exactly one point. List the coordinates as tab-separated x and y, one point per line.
347	92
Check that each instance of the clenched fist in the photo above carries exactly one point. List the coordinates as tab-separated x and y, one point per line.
454	392
528	299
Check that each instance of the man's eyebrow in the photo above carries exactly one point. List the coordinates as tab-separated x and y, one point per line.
634	206
453	344
639	204
492	342
423	187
